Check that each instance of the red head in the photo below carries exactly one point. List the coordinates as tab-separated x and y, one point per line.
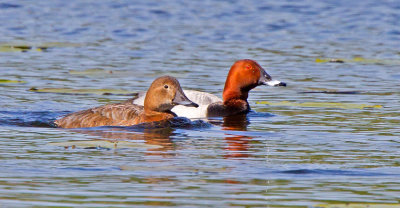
243	76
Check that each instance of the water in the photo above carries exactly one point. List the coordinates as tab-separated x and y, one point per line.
277	156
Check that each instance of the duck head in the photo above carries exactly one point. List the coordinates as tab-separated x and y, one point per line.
245	75
164	93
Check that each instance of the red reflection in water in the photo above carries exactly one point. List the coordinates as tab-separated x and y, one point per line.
238	145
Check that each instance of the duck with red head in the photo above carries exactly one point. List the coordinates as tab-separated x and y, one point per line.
243	76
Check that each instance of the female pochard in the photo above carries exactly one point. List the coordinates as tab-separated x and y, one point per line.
164	93
243	76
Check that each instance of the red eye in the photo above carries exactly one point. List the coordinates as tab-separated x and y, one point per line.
248	67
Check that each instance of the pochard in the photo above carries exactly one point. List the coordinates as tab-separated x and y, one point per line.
243	76
164	93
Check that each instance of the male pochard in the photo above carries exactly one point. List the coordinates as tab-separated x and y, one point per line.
164	93
243	76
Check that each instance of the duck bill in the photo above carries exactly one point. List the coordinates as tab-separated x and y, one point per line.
181	99
266	79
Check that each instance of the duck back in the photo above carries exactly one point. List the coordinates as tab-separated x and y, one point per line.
120	114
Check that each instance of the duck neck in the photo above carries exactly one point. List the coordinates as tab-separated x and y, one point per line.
150	115
234	92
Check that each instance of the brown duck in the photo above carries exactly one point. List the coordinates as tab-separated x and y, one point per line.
164	93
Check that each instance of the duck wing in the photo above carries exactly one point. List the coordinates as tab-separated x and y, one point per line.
119	114
201	98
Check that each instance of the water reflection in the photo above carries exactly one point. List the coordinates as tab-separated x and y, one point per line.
158	139
237	145
158	134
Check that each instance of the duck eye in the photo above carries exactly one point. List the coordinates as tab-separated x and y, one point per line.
166	86
248	67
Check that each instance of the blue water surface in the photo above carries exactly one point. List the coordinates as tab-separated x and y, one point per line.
282	154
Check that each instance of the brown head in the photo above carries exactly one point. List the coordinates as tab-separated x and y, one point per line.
164	93
243	76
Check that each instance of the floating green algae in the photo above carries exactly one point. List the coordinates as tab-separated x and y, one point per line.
321	105
83	91
358	205
7	81
100	72
24	47
93	71
358	60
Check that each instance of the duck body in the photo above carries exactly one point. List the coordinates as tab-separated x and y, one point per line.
243	76
117	114
163	94
203	99
209	105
